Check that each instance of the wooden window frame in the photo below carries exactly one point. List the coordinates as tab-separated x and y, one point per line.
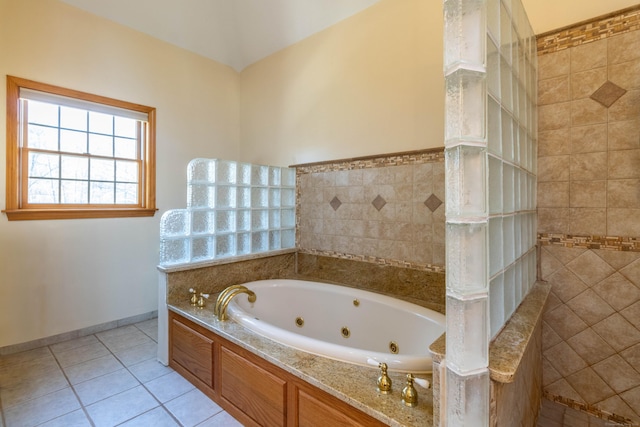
15	206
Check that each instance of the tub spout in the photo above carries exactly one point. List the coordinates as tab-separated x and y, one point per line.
223	302
222	296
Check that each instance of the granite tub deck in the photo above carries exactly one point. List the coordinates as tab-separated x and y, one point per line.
353	384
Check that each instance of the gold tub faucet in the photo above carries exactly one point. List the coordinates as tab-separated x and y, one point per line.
227	295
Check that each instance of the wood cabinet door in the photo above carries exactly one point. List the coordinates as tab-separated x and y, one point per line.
192	351
318	409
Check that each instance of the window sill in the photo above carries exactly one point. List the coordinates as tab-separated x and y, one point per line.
38	214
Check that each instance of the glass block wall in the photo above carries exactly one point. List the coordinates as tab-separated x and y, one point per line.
490	162
232	209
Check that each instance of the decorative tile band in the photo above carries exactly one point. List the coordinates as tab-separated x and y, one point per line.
395	159
589	409
619	22
376	260
612	243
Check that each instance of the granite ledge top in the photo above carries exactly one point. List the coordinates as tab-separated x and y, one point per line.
353	384
507	349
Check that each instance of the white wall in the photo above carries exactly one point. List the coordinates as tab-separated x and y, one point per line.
59	276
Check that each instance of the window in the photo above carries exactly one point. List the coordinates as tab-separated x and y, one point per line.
76	155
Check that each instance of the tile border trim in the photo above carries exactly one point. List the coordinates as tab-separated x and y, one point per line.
588	409
612	243
598	28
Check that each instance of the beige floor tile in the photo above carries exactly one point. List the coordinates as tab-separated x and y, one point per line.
81	354
23	357
221	419
168	387
157	417
192	408
137	354
42	409
121	407
105	386
73	419
73	344
92	369
149	370
120	342
33	387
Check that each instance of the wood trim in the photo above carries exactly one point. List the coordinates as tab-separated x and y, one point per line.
13	161
40	214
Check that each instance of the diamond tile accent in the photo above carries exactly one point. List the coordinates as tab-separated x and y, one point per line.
433	202
379	202
608	94
335	203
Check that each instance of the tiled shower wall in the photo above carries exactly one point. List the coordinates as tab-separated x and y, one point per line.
589	214
386	210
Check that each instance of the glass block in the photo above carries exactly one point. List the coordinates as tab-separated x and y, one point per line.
464	31
496	300
507	188
202	248
243	220
465	107
496	260
201	196
259	175
505	85
493	68
202	222
225	245
507	136
524	190
505	33
509	292
517	236
274	197
533	271
225	221
522	104
288	238
495	185
516	189
494	130
259	197
226	172
174	251
524	264
508	249
259	220
467	399
244	197
288	197
225	196
288	177
466	181
201	170
274	219
259	241
466	252
175	222
274	176
517	282
493	19
467	333
288	218
274	240
244	174
243	243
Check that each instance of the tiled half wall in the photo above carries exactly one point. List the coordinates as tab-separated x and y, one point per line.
588	215
384	209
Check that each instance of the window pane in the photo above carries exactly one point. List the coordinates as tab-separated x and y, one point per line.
43	191
100	145
102	170
102	192
73	142
73	118
42	137
126	148
75	168
125	127
44	165
100	123
42	113
127	194
74	192
126	171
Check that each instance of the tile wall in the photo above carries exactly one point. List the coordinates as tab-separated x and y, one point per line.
386	210
588	215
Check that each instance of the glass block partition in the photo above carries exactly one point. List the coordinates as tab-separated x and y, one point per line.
232	209
490	161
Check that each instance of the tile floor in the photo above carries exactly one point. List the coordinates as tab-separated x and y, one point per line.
108	379
112	378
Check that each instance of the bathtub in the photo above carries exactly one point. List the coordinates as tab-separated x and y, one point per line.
341	323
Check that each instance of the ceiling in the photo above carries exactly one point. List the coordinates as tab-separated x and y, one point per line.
241	32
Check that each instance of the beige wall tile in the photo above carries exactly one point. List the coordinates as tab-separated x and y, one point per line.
623	48
617	373
589	139
590	347
589	56
609	329
562	388
588	221
588	194
590	386
626	75
624	135
623	222
589	166
553	194
587	112
632	272
564	359
554	64
623	193
553	168
584	83
554	142
624	164
553	220
590	307
554	116
552	91
626	108
590	268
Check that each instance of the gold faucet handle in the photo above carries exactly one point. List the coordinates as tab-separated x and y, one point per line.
409	393
194	296
384	382
201	301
